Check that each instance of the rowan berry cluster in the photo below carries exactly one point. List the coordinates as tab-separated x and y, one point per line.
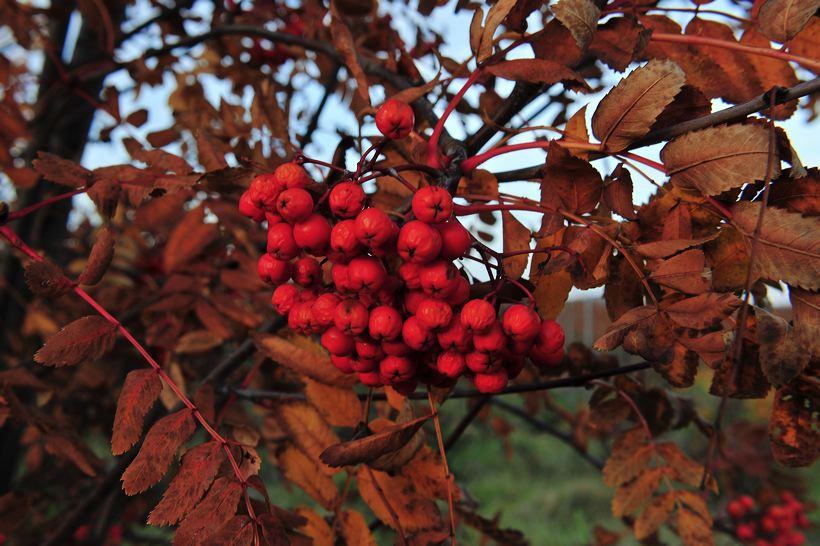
388	300
774	525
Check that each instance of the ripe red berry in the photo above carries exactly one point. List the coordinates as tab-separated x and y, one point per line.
412	299
477	315
264	191
373	227
343	240
521	323
343	363
366	273
395	119
545	359
416	335
250	209
313	234
479	362
307	271
340	275
369	349
451	363
455	239
384	323
351	317
281	242
550	339
396	369
434	314
395	347
438	279
346	199
294	205
323	310
418	242
745	531
745	500
292	175
370	379
272	218
272	270
735	509
432	204
491	383
284	297
299	317
768	524
409	273
491	340
461	293
455	336
337	342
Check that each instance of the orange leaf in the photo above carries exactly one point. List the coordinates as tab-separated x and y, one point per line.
140	391
100	258
339	405
782	20
654	515
302	471
87	338
188	239
216	509
516	237
308	430
355	529
415	511
631	495
794	428
315	527
314	364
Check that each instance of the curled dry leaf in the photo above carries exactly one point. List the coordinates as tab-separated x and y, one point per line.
87	338
702	311
717	159
100	258
580	17
783	356
782	20
374	446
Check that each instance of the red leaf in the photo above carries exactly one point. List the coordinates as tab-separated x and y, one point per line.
101	254
161	444
197	472
46	279
569	182
189	238
87	338
61	171
538	71
140	391
218	506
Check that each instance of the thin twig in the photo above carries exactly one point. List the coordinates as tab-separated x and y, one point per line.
388	506
466	421
447	475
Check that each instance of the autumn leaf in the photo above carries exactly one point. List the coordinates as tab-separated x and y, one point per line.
302	471
73	450
216	509
654	515
806	317
569	183
693	529
139	392
196	473
339	405
374	446
720	158
46	279
630	320
783	356
308	430
354	529
617	42
346	46
580	17
315	365
684	272
62	171
158	450
315	527
617	192
789	245
628	111
538	71
629	457
631	495
87	338
702	311
100	258
495	16
188	239
782	20
516	237
665	248
414	510
237	531
794	427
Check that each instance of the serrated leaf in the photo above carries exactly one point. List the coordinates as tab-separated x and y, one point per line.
630	320
630	456
374	446
189	238
580	17
516	237
806	317
87	338
684	272
631	495
569	183
314	364
346	46
789	246
782	20
216	509
302	471
315	527
414	510
538	71
354	529
717	159
338	405
693	529
307	429
100	258
654	515
704	310
794	427
73	450
46	279
158	450
495	16
61	171
237	531
139	392
628	111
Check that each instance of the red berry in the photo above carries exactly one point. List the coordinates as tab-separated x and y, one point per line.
369	349
418	242
341	277
346	199
370	379
735	509
409	273
432	204
520	347
307	271
395	119
768	524
461	293
264	191
396	369
384	323
455	239
337	342
482	362
395	348
747	501
455	336
351	317
294	205
521	323
292	175
343	240
412	299
550	338
343	363
313	234
544	359
273	271
434	314
250	209
477	315
373	227
438	279
366	273
281	242
416	335
491	383
323	309
299	317
745	531
284	297
451	363
272	218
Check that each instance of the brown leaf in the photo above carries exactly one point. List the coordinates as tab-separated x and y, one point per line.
789	246
237	531
770	72
414	510
62	171
490	527
538	71
188	239
617	41
87	338
580	17
314	364
569	183
720	158
631	495
618	192
654	515
46	279
782	355
630	320
158	139
794	427
516	237
158	450
623	290
680	467
807	43
346	46
196	473
354	529
693	529
630	455
137	118
139	392
216	509
678	224
197	341
364	450
212	319
702	311
628	111
797	194
339	405
728	258
742	379
308	430
73	450
806	318
665	248
302	471
684	272
782	20
21	377
680	366
100	258
495	16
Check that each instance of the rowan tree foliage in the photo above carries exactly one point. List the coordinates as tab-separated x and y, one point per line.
158	359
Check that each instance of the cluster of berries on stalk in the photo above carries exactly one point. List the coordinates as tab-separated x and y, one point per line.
388	300
774	525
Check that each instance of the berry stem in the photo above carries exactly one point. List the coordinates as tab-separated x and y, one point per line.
393	516
433	159
40	204
471	163
447	476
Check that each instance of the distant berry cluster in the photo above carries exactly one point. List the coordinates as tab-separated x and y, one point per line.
774	525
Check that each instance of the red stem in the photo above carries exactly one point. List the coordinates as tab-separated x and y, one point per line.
432	144
16	215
